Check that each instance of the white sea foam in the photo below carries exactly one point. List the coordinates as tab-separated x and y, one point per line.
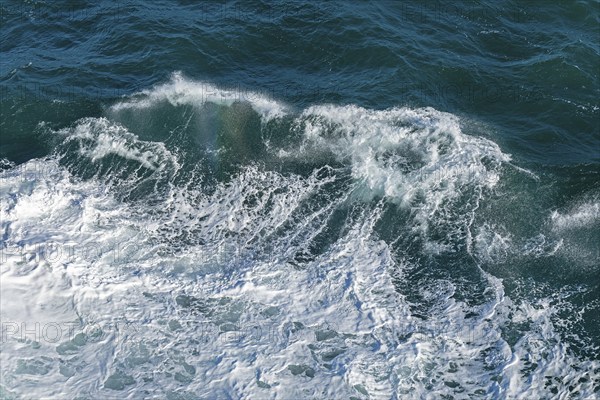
581	216
493	245
401	152
205	295
182	91
99	137
418	158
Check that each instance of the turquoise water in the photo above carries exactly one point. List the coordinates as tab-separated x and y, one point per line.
288	200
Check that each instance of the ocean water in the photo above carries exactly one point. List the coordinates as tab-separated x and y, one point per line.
280	200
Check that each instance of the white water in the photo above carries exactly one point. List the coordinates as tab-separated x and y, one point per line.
202	296
179	91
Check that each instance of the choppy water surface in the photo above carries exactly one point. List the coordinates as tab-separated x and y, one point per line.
286	200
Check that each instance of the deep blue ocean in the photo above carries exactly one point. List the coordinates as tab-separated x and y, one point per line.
300	200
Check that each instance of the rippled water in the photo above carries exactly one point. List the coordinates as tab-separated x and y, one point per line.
287	200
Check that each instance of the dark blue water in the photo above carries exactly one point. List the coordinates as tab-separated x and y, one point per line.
412	189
